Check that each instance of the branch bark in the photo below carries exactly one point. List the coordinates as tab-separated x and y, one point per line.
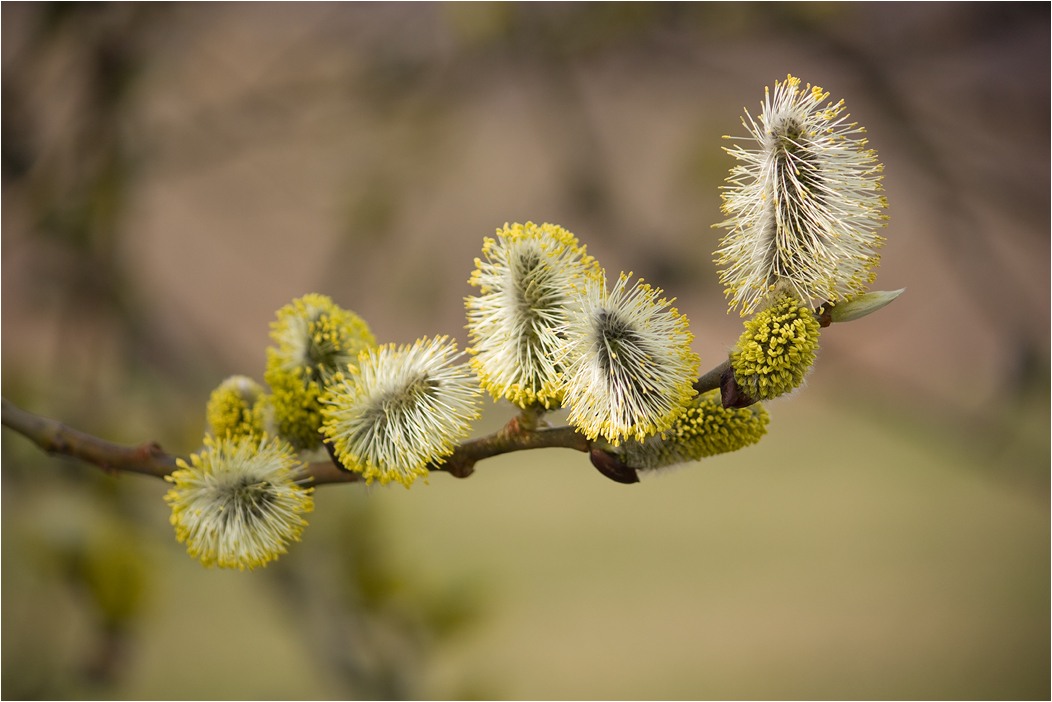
521	433
54	437
149	458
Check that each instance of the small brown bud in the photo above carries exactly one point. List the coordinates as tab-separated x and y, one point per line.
612	467
331	448
731	393
824	314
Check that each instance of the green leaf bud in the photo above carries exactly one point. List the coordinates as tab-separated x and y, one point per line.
861	305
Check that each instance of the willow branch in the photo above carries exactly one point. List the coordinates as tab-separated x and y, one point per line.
711	380
149	458
513	437
521	433
54	437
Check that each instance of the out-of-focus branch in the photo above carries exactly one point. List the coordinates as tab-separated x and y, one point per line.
55	437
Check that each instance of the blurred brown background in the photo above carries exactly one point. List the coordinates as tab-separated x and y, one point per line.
173	174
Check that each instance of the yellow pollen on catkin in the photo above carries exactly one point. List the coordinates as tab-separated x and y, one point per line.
705	429
400	409
526	283
802	205
235	408
776	349
630	368
238	502
316	340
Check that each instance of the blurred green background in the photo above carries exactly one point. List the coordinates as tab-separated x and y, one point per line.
173	174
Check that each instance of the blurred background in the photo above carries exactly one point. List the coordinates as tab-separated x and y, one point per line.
173	174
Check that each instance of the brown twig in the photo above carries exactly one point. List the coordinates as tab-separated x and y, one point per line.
711	380
54	437
513	437
521	433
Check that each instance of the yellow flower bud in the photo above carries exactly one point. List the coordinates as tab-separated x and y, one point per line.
776	349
